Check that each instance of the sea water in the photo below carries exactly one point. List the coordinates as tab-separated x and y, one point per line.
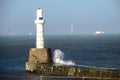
101	52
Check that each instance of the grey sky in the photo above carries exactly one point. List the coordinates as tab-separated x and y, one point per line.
87	16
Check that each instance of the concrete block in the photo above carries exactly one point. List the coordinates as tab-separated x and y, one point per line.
37	55
30	67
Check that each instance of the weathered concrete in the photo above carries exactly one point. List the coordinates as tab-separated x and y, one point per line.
37	55
55	70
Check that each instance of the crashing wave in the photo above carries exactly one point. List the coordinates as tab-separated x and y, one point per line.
59	56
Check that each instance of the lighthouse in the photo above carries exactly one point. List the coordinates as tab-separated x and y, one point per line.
39	29
39	54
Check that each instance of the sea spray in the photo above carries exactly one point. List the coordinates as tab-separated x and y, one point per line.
59	58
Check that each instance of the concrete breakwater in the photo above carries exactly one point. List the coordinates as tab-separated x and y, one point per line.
72	71
40	62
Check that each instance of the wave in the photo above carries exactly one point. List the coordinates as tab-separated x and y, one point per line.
59	58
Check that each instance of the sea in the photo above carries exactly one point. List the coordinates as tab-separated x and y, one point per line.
102	52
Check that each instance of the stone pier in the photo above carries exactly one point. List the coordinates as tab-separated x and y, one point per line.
57	70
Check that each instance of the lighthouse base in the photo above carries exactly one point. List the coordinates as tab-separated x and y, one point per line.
38	55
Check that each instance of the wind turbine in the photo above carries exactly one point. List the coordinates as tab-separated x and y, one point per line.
71	29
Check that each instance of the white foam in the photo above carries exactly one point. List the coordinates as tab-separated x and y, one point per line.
59	56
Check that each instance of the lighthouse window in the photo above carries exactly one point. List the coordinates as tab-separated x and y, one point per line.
40	18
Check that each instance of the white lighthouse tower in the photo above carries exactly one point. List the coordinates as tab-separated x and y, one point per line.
40	54
40	29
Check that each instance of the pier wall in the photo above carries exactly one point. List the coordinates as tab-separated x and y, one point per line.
55	70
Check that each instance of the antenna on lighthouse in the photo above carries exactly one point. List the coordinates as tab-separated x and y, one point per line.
71	29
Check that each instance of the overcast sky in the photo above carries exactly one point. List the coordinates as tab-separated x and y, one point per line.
87	16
